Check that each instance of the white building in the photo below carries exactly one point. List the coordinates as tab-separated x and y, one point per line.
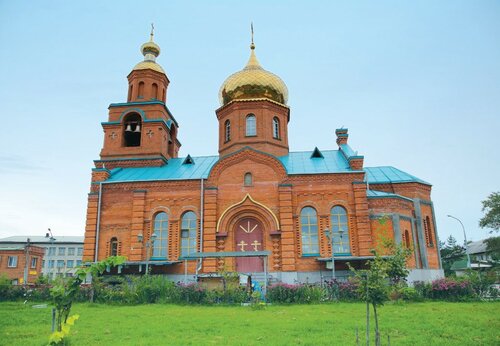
63	255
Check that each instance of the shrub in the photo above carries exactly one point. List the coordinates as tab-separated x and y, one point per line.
301	293
342	290
452	289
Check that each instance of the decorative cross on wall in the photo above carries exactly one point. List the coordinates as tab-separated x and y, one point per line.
255	245
242	244
150	133
113	135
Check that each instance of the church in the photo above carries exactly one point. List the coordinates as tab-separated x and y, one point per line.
255	207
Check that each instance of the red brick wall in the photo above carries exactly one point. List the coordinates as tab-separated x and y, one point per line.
18	271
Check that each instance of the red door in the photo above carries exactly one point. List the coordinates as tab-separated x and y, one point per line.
248	235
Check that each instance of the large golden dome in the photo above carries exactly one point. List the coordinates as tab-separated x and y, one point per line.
253	82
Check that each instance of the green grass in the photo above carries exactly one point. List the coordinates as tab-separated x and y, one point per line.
432	323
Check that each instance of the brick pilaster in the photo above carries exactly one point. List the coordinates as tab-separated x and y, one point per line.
138	205
287	232
90	227
209	228
362	219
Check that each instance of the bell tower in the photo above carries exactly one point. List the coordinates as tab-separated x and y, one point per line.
142	131
253	110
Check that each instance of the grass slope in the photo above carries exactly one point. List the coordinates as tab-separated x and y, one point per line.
432	323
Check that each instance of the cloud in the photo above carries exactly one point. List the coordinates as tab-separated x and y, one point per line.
17	164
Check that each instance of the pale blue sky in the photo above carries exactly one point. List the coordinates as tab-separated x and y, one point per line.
416	82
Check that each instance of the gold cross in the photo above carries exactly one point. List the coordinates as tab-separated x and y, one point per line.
242	244
255	245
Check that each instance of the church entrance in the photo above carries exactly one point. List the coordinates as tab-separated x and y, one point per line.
248	235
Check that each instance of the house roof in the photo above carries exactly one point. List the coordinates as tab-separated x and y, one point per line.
295	163
381	194
476	247
39	239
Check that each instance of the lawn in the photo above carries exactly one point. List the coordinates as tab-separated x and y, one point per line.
432	323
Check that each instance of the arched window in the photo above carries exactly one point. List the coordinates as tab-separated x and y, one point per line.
309	231
276	128
428	232
227	131
130	91
154	91
132	130
140	93
113	247
188	233
407	239
251	125
340	229
160	244
248	179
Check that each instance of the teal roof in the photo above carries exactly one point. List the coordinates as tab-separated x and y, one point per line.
333	161
381	194
388	174
173	170
302	163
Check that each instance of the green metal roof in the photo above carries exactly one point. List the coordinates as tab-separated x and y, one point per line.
333	161
388	174
381	194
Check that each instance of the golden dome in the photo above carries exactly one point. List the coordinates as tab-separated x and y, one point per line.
150	50
253	82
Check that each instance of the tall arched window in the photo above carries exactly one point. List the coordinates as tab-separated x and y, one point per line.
113	247
309	231
140	92
247	181
160	245
276	128
428	232
154	91
340	229
188	233
227	131
132	130
251	125
407	239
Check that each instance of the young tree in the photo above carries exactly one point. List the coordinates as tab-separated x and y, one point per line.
491	206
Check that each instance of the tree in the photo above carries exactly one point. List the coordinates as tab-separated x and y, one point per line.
450	252
377	280
493	249
491	206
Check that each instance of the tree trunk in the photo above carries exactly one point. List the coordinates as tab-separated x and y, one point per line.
377	335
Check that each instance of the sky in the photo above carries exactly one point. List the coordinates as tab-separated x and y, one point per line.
416	82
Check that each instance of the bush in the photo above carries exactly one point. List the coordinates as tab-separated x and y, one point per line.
452	289
342	290
301	293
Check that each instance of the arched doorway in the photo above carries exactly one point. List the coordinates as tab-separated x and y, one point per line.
248	235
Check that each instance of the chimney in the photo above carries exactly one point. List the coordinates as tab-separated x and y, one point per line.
342	136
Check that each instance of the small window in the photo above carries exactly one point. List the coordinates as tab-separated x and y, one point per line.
227	127
52	251
60	264
248	179
428	231
70	263
71	251
52	263
43	263
154	91
61	251
251	125
34	261
12	262
140	93
276	128
113	247
78	263
80	251
68	275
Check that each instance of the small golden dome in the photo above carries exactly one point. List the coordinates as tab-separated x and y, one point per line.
150	50
253	82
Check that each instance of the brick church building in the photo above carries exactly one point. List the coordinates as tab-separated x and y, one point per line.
254	197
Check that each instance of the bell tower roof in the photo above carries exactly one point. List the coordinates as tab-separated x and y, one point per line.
150	50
